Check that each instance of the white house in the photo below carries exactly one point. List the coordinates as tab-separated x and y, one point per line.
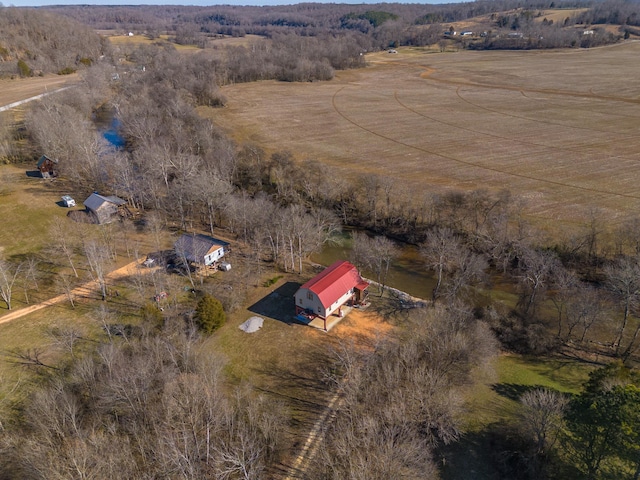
327	292
200	249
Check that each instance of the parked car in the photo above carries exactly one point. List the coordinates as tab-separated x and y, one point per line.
68	202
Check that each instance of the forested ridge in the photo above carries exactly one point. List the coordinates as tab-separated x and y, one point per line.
33	42
380	25
59	39
145	398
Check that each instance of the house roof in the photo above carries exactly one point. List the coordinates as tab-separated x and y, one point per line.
334	281
196	246
95	201
43	159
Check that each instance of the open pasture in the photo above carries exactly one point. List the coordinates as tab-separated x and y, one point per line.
560	128
14	90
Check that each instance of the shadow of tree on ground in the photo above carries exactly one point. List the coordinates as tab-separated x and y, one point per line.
514	391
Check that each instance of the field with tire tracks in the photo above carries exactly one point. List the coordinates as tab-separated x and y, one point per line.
560	128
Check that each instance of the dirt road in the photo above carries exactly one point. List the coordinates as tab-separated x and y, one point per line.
82	290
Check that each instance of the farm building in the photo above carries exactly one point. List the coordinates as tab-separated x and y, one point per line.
104	209
200	249
327	292
47	167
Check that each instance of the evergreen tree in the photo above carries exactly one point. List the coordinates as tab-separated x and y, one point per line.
209	314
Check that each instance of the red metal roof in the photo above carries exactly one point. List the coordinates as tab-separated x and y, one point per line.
334	281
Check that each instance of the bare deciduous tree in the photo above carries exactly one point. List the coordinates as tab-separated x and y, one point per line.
151	407
65	240
8	275
401	398
535	270
623	280
98	258
541	417
374	255
541	420
439	251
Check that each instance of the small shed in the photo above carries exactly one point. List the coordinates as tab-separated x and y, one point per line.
47	167
104	208
327	292
200	249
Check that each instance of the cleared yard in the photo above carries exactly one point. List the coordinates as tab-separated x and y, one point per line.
22	88
547	125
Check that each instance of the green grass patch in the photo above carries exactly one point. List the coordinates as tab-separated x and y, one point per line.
271	281
497	402
563	375
26	207
33	333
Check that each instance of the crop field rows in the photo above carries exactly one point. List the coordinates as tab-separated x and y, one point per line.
560	128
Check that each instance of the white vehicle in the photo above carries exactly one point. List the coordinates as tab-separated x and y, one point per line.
68	202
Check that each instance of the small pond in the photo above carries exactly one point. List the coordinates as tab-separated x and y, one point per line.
108	125
407	273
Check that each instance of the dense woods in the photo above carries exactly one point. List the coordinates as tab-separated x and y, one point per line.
145	402
35	42
149	407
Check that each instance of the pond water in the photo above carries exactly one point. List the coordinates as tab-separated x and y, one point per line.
112	136
108	125
407	272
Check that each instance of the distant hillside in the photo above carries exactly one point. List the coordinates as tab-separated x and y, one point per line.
487	24
33	41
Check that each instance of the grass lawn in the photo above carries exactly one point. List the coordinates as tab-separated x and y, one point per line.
286	359
27	204
497	401
33	333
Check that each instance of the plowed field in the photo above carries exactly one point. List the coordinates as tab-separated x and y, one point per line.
561	128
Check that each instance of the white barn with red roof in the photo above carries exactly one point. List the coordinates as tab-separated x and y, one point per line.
327	292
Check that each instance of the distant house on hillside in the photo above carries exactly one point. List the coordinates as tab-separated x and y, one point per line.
48	167
104	209
327	292
199	249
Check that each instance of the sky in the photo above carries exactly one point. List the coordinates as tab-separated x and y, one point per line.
37	3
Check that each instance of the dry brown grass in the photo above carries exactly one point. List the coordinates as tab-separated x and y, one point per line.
547	125
22	88
212	42
130	40
559	14
236	41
